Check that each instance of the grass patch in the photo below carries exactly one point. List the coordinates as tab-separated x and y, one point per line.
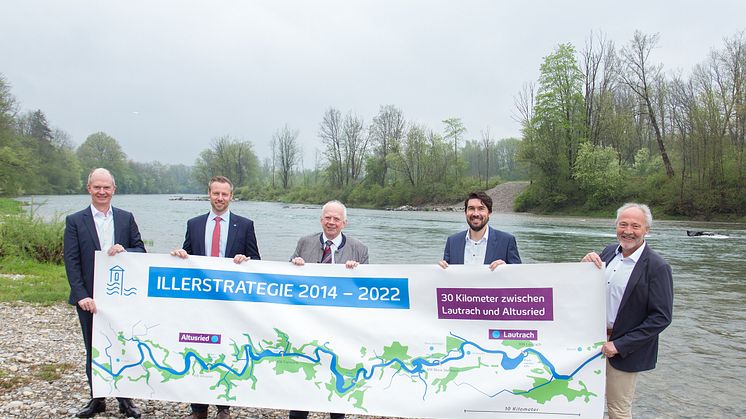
51	372
10	206
10	381
43	283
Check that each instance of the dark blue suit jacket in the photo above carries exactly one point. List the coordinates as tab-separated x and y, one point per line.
81	243
241	237
500	245
645	310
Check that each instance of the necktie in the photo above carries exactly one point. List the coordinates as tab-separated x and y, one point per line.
326	257
216	238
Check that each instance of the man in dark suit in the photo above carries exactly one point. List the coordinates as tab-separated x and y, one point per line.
97	227
639	305
219	233
480	244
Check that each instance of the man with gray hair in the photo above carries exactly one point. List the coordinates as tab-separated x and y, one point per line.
639	305
98	226
329	246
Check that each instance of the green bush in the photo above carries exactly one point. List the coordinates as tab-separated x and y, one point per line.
25	236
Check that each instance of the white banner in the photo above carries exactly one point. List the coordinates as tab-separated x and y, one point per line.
388	340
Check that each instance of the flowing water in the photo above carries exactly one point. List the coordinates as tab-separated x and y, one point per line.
702	361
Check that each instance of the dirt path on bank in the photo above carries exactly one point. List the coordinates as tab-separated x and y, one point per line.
503	196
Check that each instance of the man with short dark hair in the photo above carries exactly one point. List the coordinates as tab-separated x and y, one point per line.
639	305
219	233
99	226
480	243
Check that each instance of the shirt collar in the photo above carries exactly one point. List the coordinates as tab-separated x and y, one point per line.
635	256
97	213
484	238
336	241
225	217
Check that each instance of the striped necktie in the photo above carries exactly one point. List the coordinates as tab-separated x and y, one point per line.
326	257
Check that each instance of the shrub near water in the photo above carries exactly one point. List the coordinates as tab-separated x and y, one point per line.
24	236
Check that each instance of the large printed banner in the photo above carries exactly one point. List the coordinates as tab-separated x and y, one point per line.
388	340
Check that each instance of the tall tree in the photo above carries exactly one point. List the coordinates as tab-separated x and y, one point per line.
101	150
386	134
331	132
227	157
355	148
454	130
640	76
288	153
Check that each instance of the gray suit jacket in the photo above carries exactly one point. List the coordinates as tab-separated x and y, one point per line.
310	248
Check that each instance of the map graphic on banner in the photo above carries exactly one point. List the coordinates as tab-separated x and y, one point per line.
389	340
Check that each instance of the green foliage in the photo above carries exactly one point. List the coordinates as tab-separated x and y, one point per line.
25	236
598	174
227	157
102	150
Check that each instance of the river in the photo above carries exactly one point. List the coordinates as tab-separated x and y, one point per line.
702	362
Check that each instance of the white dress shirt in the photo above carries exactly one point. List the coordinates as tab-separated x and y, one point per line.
617	275
104	227
475	251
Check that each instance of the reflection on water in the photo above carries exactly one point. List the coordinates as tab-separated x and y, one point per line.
702	362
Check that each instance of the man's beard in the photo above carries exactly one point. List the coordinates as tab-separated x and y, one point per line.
480	223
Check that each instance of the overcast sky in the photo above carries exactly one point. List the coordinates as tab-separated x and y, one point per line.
166	77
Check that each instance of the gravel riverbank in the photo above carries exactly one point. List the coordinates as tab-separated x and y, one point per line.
42	371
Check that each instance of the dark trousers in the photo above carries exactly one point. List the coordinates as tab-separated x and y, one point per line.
86	326
199	408
298	414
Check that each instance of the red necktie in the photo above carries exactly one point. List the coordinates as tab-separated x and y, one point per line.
216	238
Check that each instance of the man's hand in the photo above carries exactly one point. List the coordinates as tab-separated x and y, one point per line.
240	258
180	253
351	264
609	350
298	261
443	264
113	250
595	258
87	304
496	263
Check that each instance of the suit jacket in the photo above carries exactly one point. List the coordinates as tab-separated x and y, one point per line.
311	248
645	310
81	243
500	245
241	237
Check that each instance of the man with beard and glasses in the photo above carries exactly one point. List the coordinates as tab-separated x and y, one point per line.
480	244
639	305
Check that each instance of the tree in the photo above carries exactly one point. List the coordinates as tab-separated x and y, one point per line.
386	133
355	147
101	150
288	153
454	130
330	132
227	157
557	127
487	143
642	78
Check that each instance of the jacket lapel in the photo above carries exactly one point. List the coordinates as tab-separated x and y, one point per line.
230	240
91	226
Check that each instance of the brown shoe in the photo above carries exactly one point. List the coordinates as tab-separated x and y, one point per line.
223	414
197	415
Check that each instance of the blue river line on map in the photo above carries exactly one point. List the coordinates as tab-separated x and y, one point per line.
417	365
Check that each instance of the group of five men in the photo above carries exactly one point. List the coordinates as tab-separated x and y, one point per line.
639	283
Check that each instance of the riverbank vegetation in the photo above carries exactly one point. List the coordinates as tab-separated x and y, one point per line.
30	256
602	125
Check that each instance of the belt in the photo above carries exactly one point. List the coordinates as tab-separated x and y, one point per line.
608	332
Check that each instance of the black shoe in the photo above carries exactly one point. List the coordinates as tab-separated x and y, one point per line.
94	406
128	408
